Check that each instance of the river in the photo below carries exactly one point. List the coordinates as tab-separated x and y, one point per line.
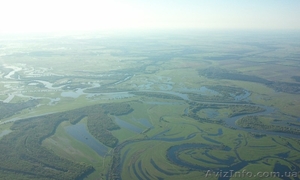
80	132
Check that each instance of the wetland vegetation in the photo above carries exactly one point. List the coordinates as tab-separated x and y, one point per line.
254	122
165	107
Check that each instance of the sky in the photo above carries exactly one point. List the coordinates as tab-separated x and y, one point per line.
81	15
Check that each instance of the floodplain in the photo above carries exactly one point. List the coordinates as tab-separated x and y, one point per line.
149	106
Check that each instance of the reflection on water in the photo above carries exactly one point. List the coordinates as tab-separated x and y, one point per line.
49	85
144	122
220	132
80	132
285	172
9	98
11	73
202	90
127	125
73	94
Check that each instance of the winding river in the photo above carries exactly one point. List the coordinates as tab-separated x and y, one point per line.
229	121
80	132
226	165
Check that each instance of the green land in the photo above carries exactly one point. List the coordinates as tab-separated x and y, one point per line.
153	107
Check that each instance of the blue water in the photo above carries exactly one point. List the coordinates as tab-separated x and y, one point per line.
80	132
285	173
128	126
186	111
172	155
144	122
220	132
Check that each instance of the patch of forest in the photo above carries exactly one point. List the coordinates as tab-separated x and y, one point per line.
296	78
254	122
116	164
196	107
23	157
218	73
9	109
235	110
222	94
287	87
227	90
99	123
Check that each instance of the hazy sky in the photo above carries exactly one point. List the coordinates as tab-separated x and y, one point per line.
64	15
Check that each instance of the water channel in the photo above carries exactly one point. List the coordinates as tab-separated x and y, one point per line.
80	132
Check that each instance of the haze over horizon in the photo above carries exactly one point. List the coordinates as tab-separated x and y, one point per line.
47	16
